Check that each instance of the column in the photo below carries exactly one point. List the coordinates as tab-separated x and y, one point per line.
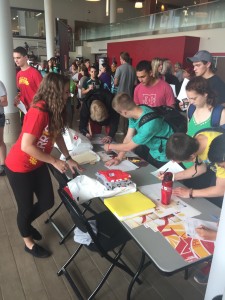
149	7
112	11
7	73
49	29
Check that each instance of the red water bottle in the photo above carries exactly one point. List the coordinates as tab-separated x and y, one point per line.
166	190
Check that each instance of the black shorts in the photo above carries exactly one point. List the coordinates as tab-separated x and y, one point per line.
2	120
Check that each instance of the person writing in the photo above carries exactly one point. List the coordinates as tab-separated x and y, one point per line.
97	111
147	136
216	156
202	113
181	147
26	166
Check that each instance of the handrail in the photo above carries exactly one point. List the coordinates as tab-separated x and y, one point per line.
195	17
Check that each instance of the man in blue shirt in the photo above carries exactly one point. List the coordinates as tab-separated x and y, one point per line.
149	134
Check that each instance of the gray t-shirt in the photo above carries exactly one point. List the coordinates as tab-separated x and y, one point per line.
126	76
2	93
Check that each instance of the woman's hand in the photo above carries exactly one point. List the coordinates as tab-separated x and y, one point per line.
182	192
60	165
113	162
74	165
106	139
160	175
206	233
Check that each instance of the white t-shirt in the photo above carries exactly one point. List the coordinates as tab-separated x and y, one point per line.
2	93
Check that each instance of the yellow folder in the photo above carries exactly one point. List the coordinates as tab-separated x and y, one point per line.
129	205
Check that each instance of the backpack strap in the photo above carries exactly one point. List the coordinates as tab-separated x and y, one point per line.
191	110
216	115
148	117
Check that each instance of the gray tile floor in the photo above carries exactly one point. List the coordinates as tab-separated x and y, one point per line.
24	277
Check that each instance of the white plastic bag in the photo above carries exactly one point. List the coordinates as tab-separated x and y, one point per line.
84	237
84	188
76	142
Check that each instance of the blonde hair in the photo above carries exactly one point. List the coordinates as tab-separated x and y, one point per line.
123	101
156	62
98	111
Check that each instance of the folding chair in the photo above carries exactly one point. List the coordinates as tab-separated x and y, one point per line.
62	180
111	236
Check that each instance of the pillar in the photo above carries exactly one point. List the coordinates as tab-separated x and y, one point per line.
112	11
49	29
149	7
7	73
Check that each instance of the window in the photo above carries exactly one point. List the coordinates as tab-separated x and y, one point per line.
27	23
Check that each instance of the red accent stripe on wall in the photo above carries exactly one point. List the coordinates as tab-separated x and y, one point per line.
174	48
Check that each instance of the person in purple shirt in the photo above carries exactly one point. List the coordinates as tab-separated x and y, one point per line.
105	76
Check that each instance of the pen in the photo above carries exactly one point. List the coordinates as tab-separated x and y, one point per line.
165	171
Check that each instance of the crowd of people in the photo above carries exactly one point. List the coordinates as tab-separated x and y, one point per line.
104	95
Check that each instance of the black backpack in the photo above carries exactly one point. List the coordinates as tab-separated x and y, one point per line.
176	120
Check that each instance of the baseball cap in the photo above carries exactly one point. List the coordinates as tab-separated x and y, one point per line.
201	55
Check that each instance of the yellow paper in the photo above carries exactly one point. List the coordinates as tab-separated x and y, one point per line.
129	205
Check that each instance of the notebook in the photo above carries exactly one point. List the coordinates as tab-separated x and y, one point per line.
129	205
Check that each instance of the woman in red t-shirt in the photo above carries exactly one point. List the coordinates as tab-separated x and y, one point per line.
26	162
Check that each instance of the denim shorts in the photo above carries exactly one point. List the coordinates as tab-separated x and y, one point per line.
2	120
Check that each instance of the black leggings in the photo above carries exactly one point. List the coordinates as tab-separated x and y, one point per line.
24	186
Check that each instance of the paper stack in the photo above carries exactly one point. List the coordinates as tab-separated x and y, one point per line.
129	205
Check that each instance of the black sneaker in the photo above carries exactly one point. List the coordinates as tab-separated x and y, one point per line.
38	251
35	234
2	173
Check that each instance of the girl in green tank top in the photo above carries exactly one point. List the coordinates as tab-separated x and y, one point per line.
200	95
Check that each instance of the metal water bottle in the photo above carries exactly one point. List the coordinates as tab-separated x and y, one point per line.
166	190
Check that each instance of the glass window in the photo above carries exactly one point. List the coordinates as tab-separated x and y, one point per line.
28	23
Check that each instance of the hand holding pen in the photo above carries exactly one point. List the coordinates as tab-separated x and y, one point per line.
161	174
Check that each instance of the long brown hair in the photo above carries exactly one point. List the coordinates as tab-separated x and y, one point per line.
51	91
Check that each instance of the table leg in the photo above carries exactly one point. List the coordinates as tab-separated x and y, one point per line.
140	269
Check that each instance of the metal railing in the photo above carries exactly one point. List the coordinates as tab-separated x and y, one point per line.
202	16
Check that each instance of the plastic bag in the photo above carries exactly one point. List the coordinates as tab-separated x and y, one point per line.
84	237
76	142
84	188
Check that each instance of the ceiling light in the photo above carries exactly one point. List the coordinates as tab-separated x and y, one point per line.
138	5
92	0
162	7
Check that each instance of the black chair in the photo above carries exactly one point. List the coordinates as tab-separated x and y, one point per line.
62	180
111	236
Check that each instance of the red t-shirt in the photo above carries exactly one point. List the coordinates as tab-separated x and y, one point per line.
28	82
36	122
159	94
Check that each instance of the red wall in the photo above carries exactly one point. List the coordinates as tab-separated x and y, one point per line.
174	48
